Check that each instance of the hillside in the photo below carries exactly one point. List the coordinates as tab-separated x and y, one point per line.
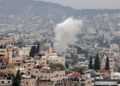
32	8
45	10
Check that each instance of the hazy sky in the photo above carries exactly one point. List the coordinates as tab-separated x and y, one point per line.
97	4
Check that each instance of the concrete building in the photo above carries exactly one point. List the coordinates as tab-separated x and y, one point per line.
56	76
29	82
24	51
76	79
45	83
114	47
4	82
6	54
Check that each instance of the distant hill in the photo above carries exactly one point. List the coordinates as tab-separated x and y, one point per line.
46	10
31	7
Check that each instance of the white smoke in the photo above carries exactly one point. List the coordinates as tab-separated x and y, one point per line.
65	33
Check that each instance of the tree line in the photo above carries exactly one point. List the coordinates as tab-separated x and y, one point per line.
96	65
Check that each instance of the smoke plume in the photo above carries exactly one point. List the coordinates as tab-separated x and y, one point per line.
66	32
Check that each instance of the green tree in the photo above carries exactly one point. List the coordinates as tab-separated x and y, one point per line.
57	66
107	67
66	65
18	75
90	63
15	81
38	48
97	63
32	51
79	70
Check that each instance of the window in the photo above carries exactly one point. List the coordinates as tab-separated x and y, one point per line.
29	64
8	81
26	82
2	81
56	75
17	60
89	82
47	62
29	69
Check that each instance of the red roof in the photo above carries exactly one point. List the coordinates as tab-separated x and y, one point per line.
40	65
76	75
104	71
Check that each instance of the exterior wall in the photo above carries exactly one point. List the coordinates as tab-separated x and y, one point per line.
5	41
36	72
28	66
112	64
3	53
72	84
41	61
114	47
109	83
29	82
56	59
6	53
5	82
88	82
45	84
47	60
23	51
10	55
17	60
103	62
44	52
55	76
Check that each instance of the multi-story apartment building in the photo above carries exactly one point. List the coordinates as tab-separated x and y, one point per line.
6	54
24	51
76	79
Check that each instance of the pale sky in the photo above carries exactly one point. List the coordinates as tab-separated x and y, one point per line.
96	4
